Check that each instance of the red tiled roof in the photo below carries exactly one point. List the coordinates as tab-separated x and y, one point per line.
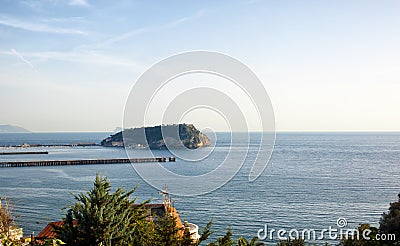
48	232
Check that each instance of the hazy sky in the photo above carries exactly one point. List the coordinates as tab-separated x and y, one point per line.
68	65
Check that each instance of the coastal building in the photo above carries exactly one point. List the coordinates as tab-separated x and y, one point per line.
153	211
117	144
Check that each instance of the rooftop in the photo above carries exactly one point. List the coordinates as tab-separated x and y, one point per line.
157	209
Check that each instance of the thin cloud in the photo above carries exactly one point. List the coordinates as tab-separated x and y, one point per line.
82	3
75	57
138	31
67	20
14	23
22	58
35	6
42	6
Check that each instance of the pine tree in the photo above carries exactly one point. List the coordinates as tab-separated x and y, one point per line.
100	217
166	232
205	233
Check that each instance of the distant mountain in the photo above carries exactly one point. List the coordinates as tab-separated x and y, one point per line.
12	129
159	137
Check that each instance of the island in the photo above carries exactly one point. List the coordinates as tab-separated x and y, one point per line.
159	137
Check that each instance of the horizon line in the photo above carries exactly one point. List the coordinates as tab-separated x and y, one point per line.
279	131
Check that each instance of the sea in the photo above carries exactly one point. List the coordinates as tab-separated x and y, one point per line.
311	181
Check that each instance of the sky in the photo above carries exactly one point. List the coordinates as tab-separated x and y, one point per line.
69	65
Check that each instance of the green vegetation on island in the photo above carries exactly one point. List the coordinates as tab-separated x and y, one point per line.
159	137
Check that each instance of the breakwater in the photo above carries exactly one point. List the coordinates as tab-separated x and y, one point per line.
26	145
25	153
40	163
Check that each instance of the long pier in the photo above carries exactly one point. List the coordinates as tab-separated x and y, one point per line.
26	145
25	153
40	163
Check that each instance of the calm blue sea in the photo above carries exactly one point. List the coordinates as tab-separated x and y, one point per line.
312	180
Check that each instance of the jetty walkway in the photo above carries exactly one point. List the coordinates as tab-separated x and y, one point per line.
25	153
40	163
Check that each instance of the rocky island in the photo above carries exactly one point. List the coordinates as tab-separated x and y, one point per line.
159	137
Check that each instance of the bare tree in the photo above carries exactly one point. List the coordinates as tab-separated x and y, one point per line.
6	218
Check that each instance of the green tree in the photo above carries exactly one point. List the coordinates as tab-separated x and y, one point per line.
100	217
225	240
253	242
359	240
291	242
390	221
53	242
166	231
205	233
